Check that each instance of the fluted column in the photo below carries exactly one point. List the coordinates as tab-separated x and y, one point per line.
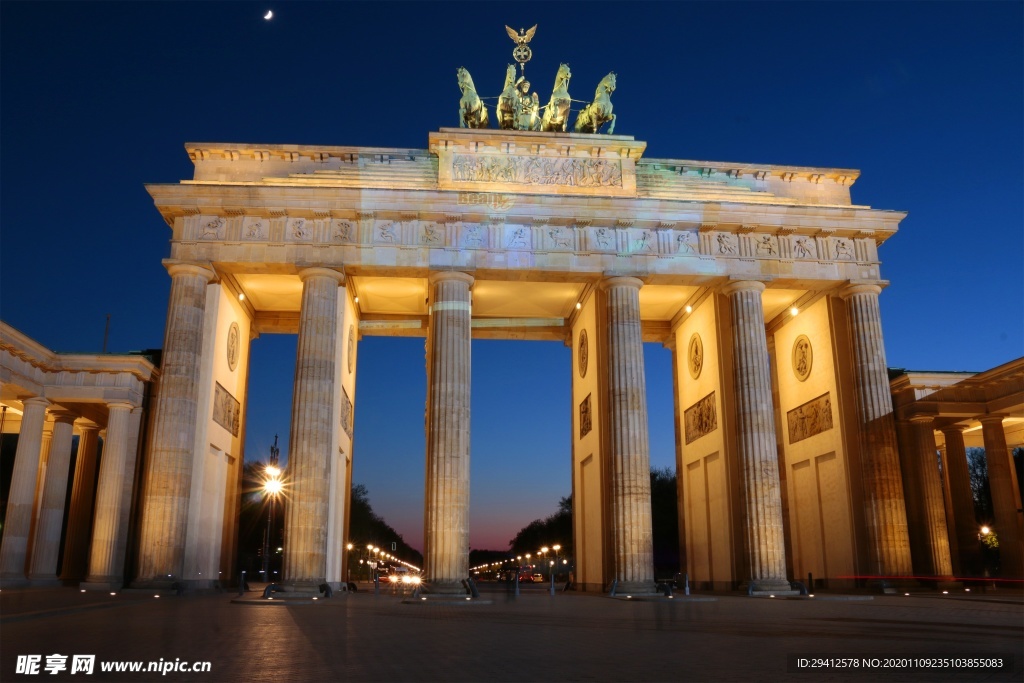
885	513
313	419
446	514
627	428
21	498
106	567
169	463
964	520
76	544
46	543
933	506
755	431
1005	497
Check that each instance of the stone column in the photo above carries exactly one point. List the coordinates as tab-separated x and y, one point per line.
106	565
46	544
21	498
755	431
964	520
169	466
885	513
1005	497
932	503
76	545
446	515
632	539
313	419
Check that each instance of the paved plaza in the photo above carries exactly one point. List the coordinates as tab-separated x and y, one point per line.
535	637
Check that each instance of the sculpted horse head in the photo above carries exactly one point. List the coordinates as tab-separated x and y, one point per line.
472	112
507	100
556	114
598	112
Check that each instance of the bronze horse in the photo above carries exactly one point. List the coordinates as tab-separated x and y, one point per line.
472	111
598	112
506	108
556	113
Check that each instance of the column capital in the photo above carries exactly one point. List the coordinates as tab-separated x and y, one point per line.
175	268
86	425
63	416
855	289
446	275
952	429
994	418
127	405
921	419
621	281
35	401
307	273
743	286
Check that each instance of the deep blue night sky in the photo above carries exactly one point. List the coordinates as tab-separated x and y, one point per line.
925	98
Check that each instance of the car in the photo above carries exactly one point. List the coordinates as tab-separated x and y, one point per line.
538	578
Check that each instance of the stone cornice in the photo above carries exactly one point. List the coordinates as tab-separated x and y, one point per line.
23	347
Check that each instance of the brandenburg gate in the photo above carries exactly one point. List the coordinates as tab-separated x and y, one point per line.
763	280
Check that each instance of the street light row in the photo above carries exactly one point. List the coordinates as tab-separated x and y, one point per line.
519	558
378	552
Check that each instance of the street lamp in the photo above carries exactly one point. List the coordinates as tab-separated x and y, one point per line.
272	487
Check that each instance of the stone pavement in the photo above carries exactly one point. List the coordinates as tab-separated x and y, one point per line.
537	637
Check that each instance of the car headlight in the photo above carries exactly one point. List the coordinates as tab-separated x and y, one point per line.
415	579
406	579
393	579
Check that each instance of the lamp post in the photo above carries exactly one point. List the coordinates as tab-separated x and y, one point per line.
271	489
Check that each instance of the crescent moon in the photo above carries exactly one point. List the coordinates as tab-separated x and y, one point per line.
269	15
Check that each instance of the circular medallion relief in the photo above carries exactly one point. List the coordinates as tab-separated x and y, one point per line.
351	346
695	356
803	356
584	353
232	346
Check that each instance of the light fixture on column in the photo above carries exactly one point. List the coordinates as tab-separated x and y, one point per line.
241	297
689	308
794	310
578	305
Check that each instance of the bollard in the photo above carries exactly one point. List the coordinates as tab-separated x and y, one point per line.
517	583
325	588
552	583
615	584
241	584
686	582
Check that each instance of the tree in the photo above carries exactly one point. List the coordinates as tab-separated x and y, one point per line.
977	469
558	527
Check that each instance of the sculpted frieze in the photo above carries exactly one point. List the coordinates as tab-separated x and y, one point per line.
803	247
813	417
685	243
701	418
254	228
226	409
559	237
767	246
432	234
473	236
212	228
726	243
386	232
604	239
518	237
843	249
342	231
529	170
298	230
642	241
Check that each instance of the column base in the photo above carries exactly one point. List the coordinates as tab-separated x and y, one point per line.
309	588
14	581
621	589
762	587
45	581
440	587
102	585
